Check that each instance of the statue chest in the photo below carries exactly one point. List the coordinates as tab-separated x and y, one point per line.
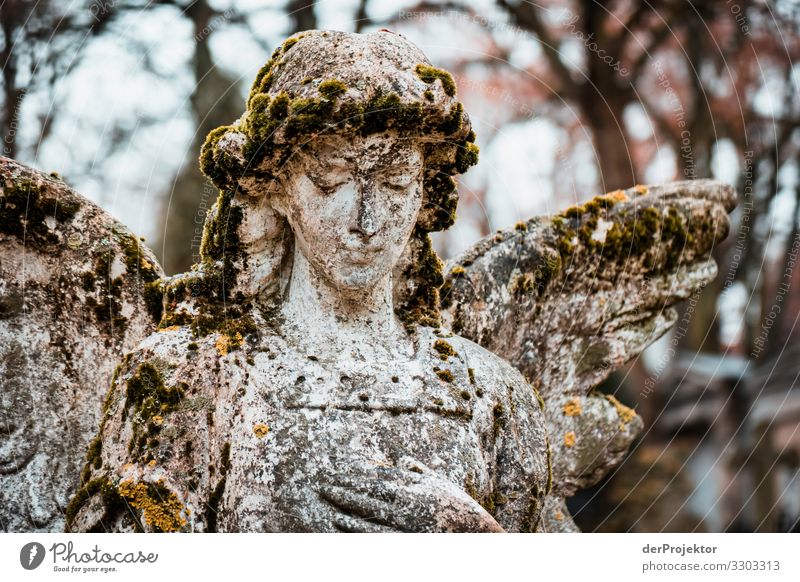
296	432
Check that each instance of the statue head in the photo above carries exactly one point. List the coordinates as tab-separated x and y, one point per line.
348	148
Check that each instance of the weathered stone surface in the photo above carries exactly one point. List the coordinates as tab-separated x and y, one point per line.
302	378
71	303
328	397
571	298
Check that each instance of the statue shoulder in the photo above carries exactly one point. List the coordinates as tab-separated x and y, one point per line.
162	447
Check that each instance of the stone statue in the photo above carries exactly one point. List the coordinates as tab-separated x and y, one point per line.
320	369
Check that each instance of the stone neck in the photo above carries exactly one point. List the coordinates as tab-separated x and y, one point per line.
317	310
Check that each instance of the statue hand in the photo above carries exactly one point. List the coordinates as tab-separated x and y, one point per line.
369	498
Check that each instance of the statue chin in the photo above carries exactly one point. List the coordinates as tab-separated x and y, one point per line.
354	278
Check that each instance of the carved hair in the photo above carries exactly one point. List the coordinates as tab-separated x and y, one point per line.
322	83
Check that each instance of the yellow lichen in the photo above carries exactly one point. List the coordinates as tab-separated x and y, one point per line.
161	507
260	430
225	343
157	420
573	407
641	189
559	516
170	328
569	439
625	413
616	196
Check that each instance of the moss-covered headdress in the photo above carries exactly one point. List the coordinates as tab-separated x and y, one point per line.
332	83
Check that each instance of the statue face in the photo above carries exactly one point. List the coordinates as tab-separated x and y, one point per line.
352	205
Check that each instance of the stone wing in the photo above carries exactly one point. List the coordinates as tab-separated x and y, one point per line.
570	298
73	299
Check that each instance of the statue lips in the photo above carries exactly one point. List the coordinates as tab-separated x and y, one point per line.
362	254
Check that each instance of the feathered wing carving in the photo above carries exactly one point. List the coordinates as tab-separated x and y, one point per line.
73	286
570	298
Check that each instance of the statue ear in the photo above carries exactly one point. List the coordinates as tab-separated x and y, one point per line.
266	240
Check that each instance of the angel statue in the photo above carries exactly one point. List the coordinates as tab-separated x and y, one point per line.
320	369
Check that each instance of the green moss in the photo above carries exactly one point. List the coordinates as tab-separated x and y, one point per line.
442	199
154	299
290	42
453	121
658	237
210	289
498	420
24	208
422	307
539	398
150	400
466	156
332	88
135	261
444	349
429	74
209	165
523	285
259	84
444	375
530	520
279	107
112	502
386	110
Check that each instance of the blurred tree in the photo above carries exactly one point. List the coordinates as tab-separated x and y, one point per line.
41	42
216	100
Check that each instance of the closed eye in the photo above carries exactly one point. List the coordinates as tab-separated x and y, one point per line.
397	178
330	182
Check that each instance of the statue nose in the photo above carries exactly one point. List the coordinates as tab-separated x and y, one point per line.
366	223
